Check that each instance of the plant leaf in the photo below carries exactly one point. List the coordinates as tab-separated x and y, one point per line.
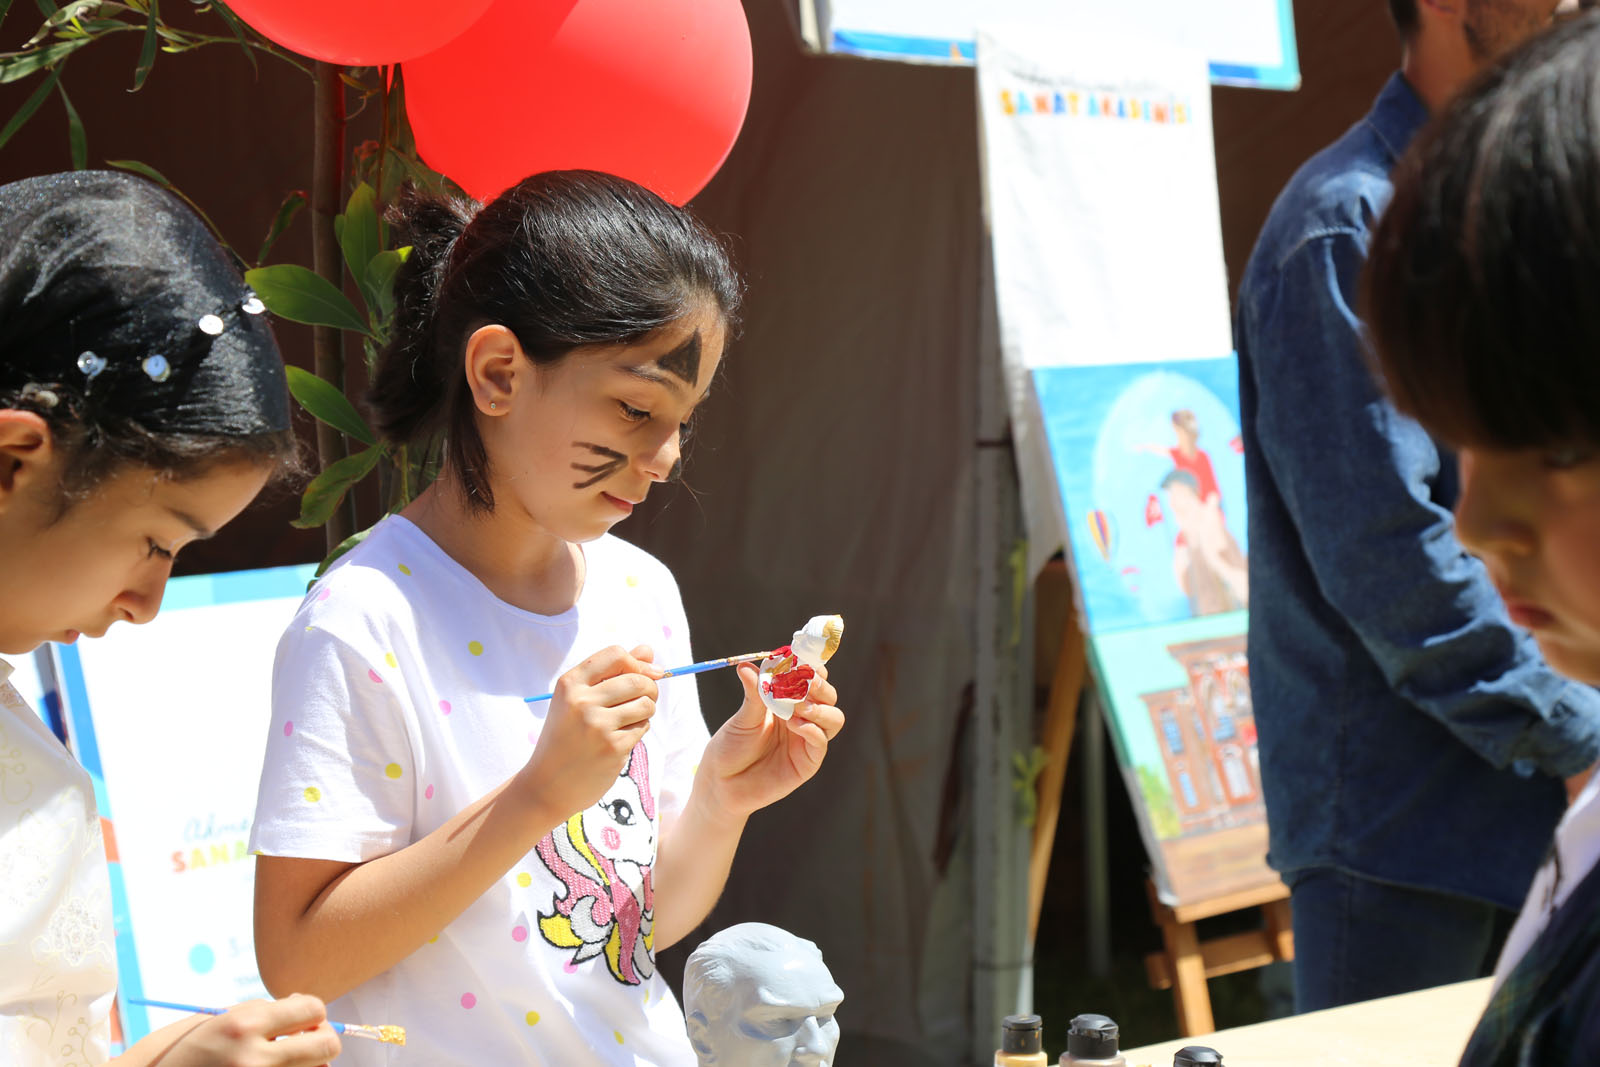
29	106
358	235
238	34
67	14
76	138
344	546
147	52
323	400
286	213
379	283
322	496
300	295
144	169
21	64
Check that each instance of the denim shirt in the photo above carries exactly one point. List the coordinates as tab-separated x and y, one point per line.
1408	732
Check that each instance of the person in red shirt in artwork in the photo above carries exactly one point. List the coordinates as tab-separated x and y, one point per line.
1207	560
1187	455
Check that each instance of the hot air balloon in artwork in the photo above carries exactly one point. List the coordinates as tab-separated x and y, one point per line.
1102	531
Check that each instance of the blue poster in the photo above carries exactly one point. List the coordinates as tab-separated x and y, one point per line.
1248	42
170	720
1150	466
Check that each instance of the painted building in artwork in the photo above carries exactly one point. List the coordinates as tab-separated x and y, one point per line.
1207	735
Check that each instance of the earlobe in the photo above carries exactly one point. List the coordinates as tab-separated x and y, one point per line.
495	365
26	448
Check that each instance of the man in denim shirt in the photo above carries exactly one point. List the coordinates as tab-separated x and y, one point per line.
1413	744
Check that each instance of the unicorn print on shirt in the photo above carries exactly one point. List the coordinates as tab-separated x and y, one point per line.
603	856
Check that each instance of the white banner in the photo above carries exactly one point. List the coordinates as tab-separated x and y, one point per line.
171	720
1246	42
1101	190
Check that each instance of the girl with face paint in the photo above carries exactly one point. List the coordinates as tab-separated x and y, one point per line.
142	406
500	875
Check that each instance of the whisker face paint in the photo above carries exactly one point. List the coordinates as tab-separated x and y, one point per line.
613	461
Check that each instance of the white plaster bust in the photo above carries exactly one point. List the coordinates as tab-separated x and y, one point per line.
758	996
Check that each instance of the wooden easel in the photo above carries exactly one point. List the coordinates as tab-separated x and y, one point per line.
1186	962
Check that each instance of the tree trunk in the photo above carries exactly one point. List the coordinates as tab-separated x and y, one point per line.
327	343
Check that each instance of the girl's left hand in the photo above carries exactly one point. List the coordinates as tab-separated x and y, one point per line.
757	758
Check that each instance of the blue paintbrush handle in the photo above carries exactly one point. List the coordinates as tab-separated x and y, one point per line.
195	1009
693	668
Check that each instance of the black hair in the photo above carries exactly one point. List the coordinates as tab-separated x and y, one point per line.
128	329
1480	289
1404	13
563	259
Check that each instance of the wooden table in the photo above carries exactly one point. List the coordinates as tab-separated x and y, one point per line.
1428	1028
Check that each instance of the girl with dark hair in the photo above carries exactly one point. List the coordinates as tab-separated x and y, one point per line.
142	406
496	874
1481	297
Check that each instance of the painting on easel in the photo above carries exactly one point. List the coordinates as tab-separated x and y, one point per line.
1151	476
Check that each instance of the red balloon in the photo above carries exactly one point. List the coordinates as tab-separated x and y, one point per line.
360	33
651	90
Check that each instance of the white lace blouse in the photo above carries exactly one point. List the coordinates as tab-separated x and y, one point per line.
58	968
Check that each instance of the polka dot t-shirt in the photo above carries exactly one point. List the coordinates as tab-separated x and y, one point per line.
398	699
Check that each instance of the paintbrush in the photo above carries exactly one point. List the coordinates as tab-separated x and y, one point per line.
693	668
389	1035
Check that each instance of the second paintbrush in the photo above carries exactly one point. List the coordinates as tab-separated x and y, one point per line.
693	668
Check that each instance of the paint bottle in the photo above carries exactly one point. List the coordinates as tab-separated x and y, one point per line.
1021	1042
1092	1042
1197	1056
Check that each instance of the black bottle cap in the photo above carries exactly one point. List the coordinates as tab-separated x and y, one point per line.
1196	1056
1092	1037
1022	1033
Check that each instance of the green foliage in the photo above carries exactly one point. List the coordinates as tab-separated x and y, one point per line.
327	489
323	401
302	295
1025	771
1158	802
292	205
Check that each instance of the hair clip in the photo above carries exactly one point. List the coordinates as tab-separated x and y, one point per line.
90	364
213	325
156	367
45	398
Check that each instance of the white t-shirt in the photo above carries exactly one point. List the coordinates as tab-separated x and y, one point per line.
398	699
58	964
1573	855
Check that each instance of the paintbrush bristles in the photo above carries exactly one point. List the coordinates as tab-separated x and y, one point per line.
388	1034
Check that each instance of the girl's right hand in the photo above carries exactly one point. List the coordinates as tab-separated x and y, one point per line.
601	708
292	1032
